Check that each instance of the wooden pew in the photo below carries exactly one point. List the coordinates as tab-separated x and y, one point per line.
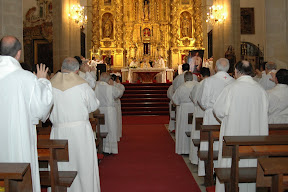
243	147
43	132
16	177
273	173
211	132
199	122
100	120
55	151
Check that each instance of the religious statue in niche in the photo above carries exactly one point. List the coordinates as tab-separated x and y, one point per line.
186	25
146	10
107	25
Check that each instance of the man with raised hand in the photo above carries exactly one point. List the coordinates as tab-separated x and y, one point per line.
25	99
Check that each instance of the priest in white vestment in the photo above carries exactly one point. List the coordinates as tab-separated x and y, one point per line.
74	99
171	113
209	92
133	64
278	102
184	106
25	99
107	94
160	77
198	112
87	74
265	76
242	108
179	80
121	87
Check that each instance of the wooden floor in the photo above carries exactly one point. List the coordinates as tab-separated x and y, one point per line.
145	99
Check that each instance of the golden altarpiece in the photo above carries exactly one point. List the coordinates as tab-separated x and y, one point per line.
146	29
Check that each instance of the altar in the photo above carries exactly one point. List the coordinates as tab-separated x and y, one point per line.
147	75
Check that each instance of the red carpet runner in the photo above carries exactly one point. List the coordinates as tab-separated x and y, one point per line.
146	161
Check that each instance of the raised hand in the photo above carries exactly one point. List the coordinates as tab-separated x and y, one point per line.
42	71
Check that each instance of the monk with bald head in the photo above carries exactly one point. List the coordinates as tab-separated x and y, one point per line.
25	99
242	108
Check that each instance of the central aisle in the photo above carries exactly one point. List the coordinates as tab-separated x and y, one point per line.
146	161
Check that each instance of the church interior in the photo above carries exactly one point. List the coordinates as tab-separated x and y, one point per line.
149	33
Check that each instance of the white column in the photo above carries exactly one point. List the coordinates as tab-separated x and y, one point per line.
227	33
66	33
277	32
11	20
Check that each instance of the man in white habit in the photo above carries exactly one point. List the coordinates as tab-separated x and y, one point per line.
160	63
278	102
74	99
133	64
209	92
121	87
172	113
265	76
242	108
184	106
88	73
198	112
107	94
25	99
179	80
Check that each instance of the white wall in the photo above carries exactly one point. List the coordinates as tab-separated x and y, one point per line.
259	17
277	32
28	4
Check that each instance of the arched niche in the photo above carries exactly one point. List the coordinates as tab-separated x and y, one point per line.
185	25
107	26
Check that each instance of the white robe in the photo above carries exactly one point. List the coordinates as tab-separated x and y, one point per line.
107	95
198	112
70	119
179	80
184	106
118	109
265	81
24	101
243	109
172	113
211	89
89	77
278	104
160	77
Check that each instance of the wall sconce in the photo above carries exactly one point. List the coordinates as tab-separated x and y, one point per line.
77	15
216	14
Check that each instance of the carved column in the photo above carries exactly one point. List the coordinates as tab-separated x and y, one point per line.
174	23
119	23
96	24
198	34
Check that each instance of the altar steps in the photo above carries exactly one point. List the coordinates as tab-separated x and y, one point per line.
145	99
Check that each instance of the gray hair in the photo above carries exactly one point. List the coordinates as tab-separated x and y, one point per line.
270	66
105	77
222	64
188	76
70	64
9	46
